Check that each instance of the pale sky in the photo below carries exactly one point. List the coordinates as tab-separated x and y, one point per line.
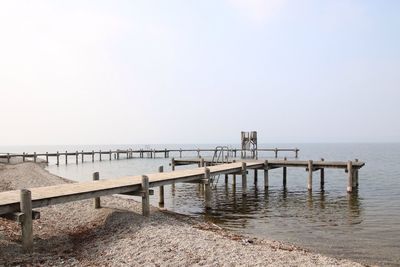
128	72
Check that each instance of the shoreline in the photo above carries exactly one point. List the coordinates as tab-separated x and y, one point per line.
75	234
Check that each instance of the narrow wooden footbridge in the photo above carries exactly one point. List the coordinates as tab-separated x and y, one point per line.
18	205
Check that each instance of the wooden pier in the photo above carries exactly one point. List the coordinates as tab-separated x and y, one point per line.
18	205
80	156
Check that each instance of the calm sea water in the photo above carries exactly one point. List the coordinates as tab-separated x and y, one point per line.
364	226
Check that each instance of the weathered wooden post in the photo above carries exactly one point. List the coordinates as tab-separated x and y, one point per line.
76	157
276	153
208	187
180	152
26	224
8	157
92	155
322	173
284	174
244	179
255	176
96	177
23	157
110	154
173	164
145	196
356	174
100	155
165	153
58	158
310	174
47	157
161	201
82	157
350	173
226	178
34	157
266	182
296	152
201	162
198	152
66	158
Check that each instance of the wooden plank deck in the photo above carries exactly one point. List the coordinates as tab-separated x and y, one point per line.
50	195
280	163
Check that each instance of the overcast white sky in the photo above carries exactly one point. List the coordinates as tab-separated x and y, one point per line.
116	72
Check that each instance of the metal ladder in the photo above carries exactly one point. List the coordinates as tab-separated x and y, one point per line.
221	155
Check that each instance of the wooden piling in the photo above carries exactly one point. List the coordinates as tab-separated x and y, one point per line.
226	178
145	196
244	179
66	158
322	174
76	157
161	201
180	152
266	182
23	157
82	157
110	154
296	152
198	153
26	224
58	158
202	162
350	179
356	174
100	155
207	187
92	155
310	174
96	177
255	176
276	153
284	174
47	157
8	157
173	164
34	157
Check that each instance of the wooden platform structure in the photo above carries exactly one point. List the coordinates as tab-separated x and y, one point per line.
18	205
79	156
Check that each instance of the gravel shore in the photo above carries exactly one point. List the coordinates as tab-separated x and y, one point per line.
76	234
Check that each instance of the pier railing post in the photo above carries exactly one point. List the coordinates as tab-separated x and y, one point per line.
110	154
96	177
310	174
350	173
100	155
244	179
145	196
208	187
76	157
26	224
47	157
266	174
296	152
82	156
276	153
161	201
180	152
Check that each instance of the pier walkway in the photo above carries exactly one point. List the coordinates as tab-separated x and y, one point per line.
18	205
